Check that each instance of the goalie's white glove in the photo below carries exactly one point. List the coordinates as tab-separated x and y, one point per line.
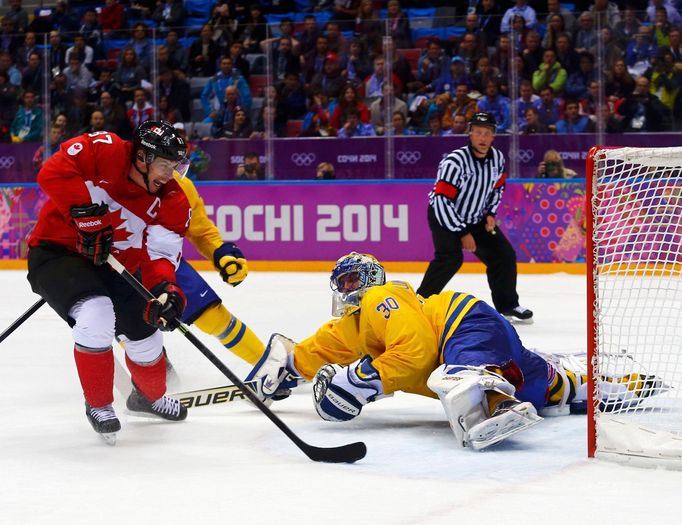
275	371
340	392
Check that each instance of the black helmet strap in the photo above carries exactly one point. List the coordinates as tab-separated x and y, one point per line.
148	159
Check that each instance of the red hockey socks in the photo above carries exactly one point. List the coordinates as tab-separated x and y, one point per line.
96	373
150	379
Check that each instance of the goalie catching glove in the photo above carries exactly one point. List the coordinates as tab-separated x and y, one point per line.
340	392
164	311
230	262
95	234
275	371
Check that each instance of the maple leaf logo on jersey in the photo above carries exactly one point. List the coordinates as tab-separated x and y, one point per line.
122	231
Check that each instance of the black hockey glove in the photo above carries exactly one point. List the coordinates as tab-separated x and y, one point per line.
230	262
164	311
95	234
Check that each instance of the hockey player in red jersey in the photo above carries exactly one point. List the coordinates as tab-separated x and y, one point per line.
107	196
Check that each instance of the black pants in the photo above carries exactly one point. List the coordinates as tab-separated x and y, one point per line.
494	251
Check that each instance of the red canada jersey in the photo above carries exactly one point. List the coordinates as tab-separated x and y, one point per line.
94	168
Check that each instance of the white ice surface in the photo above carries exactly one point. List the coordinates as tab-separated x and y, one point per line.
229	464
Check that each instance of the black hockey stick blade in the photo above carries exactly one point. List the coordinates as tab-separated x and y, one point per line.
344	454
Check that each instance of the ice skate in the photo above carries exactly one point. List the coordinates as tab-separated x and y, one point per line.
104	422
519	315
164	407
509	418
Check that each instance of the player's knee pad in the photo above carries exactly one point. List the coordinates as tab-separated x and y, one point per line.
147	350
95	322
462	392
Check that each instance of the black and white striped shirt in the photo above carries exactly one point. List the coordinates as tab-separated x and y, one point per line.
467	189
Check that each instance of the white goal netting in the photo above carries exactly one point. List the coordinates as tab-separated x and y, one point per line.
636	278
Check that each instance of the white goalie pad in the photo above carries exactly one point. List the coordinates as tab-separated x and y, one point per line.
462	393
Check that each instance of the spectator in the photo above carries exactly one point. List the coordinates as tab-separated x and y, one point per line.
549	108
398	25
32	75
520	8
675	45
286	29
345	13
316	122
373	85
453	77
77	75
251	168
176	90
240	127
56	52
555	26
532	123
468	51
436	127
105	82
129	75
203	54
56	139
314	60
610	48
358	66
349	99
64	19
368	27
499	58
662	28
168	14
459	125
330	80
612	122
224	26
10	41
238	61
96	123
8	105
588	104
484	72
17	15
141	45
666	79
325	171
462	104
115	118
309	34
625	30
253	29
585	36
335	40
432	64
402	69
673	14
23	54
62	121
533	54
223	117
214	90
141	9
82	51
178	57
489	18
167	112
552	167
377	109
292	97
565	54
554	8
605	13
141	111
59	95
112	18
573	122
353	127
619	82
27	125
471	27
497	105
284	61
578	82
527	99
91	30
640	52
270	117
398	125
77	111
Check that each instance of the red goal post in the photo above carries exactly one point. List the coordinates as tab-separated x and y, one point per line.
634	304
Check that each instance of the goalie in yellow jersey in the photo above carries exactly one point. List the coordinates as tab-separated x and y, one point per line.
452	346
204	308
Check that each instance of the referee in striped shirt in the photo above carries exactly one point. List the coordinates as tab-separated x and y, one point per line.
461	215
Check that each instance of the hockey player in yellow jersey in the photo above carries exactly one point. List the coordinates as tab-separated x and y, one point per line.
204	307
452	346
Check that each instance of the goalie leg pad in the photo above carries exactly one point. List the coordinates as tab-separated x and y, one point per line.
518	417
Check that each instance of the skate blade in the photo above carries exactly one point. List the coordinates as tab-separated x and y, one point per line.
490	432
109	438
516	320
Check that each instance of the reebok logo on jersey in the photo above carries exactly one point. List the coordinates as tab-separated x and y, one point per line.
75	148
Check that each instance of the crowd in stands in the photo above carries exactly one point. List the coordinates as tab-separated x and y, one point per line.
317	68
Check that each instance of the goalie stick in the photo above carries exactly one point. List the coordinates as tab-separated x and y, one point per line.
341	454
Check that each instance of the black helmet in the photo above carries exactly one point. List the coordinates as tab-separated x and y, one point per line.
158	139
483	119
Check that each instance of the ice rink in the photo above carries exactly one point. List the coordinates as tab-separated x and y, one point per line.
229	464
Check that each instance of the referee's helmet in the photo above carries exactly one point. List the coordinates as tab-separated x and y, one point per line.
483	119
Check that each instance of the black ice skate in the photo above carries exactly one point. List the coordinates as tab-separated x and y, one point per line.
164	407
104	421
519	314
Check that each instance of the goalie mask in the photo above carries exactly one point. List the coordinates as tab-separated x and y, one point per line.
352	275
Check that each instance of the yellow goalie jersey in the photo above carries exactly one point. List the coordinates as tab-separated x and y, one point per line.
202	233
403	334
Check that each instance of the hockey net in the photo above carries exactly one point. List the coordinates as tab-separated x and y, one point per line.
634	267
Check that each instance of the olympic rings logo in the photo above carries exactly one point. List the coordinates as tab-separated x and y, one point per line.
526	155
6	162
408	157
303	159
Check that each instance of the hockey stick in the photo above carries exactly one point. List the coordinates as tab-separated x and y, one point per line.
16	324
342	454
